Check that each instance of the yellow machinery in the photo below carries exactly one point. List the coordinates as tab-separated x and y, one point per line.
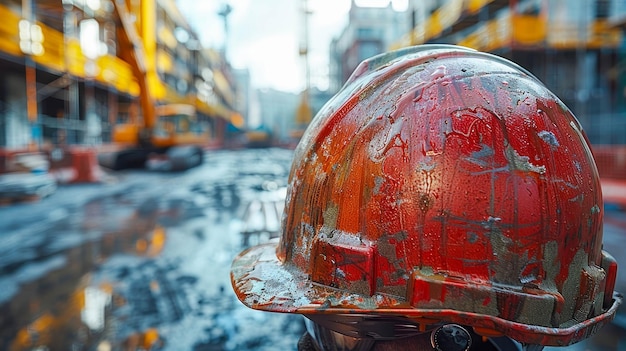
163	136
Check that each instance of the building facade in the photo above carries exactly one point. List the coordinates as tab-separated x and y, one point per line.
370	31
574	47
70	69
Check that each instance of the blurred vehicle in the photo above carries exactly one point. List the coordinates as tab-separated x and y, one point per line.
259	138
172	140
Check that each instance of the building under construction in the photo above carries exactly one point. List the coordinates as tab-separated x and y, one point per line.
572	46
74	70
575	47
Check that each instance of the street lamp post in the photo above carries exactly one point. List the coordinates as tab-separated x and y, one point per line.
224	12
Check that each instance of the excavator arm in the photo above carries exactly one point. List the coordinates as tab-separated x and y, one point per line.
133	50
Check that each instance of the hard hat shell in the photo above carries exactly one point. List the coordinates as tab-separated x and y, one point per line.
443	184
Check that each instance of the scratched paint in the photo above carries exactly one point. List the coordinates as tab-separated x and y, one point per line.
461	169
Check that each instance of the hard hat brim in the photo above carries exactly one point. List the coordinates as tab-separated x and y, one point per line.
263	282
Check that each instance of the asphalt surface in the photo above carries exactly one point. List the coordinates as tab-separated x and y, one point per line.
142	261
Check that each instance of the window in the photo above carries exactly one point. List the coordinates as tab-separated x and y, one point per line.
603	8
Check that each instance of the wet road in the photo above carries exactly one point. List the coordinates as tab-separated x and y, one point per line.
142	262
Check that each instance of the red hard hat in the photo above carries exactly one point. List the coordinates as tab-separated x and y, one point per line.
442	184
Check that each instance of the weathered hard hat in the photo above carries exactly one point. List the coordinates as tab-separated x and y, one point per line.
442	184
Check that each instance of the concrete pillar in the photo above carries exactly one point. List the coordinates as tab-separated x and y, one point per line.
18	131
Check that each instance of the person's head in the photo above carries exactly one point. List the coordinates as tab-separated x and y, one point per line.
440	186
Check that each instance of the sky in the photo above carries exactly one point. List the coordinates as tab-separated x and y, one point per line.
265	35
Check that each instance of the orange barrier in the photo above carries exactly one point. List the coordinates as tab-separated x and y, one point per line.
77	165
611	162
614	191
85	164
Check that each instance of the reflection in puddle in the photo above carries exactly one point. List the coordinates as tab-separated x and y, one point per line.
53	305
93	312
147	268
